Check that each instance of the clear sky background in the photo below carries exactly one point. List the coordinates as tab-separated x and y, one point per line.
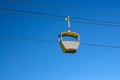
37	60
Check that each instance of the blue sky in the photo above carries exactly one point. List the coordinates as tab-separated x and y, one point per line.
34	60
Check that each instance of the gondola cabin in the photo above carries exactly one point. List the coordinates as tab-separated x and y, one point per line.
70	45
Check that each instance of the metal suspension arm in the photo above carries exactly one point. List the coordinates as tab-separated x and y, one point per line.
68	21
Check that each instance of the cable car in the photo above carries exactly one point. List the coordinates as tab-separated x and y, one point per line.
69	46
